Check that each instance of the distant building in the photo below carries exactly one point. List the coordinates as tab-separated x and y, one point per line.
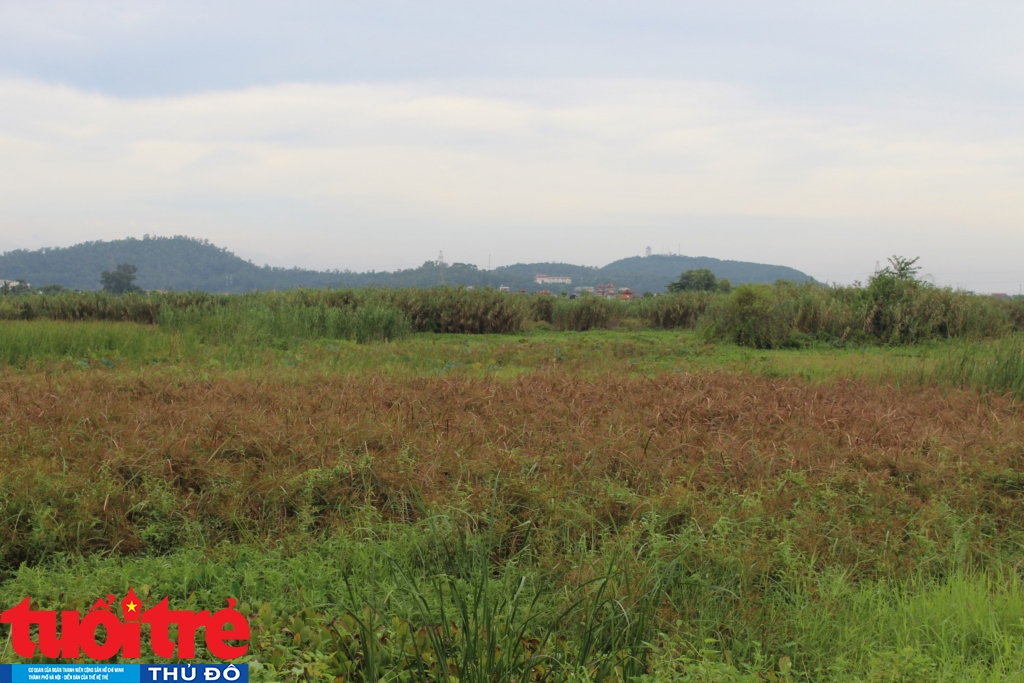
552	280
503	288
14	287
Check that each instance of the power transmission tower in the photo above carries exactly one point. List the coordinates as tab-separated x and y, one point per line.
440	266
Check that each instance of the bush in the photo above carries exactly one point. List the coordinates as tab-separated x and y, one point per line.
454	309
998	368
752	315
901	311
890	310
585	313
439	309
73	306
1014	309
674	310
380	323
278	322
542	308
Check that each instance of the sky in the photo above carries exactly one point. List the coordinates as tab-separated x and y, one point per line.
825	136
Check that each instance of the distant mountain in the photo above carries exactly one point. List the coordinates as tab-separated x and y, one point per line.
184	263
653	273
648	273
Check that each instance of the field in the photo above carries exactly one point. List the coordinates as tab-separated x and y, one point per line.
515	502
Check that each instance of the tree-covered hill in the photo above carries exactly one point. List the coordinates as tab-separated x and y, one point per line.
653	273
184	263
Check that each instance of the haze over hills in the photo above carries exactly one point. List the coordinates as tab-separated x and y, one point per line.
185	263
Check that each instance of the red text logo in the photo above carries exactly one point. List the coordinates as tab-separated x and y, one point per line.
123	635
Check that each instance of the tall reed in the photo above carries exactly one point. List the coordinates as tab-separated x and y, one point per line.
997	367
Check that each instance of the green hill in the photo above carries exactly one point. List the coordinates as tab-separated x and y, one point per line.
185	263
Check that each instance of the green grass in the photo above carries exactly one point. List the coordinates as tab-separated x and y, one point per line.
237	341
995	366
257	325
317	340
968	627
501	621
46	340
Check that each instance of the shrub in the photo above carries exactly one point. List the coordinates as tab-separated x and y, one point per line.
675	310
752	315
454	309
901	311
542	308
1014	309
380	323
278	321
998	368
136	308
891	309
585	313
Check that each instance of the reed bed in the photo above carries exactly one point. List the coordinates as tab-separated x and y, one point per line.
47	339
994	367
886	311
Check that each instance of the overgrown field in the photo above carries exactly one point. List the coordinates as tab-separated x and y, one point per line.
543	505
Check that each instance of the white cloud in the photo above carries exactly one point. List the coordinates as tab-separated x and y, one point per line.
381	175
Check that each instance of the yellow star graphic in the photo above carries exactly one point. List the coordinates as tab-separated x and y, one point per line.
131	606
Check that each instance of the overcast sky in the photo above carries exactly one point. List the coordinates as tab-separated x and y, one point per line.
820	135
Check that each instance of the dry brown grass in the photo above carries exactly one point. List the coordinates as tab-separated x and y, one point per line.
859	474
